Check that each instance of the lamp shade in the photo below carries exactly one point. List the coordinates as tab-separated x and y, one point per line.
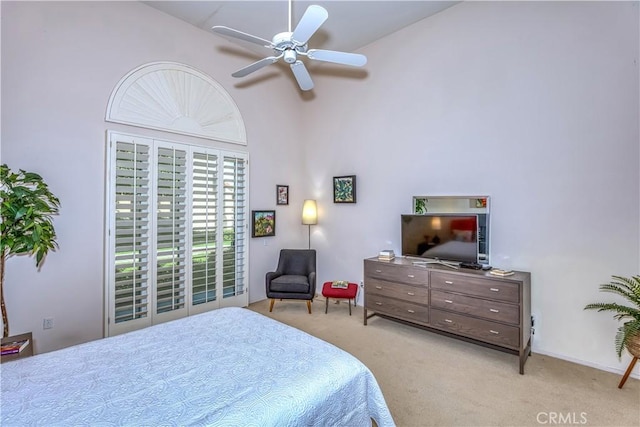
435	223
309	212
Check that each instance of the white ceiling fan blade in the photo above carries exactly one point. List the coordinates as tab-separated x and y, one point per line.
312	19
230	32
354	59
302	75
256	66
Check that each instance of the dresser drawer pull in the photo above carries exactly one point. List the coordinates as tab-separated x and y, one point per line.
411	276
448	282
410	293
448	301
378	303
378	271
494	332
494	289
493	310
378	287
411	311
448	321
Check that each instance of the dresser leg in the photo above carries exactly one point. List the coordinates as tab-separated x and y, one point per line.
524	354
365	317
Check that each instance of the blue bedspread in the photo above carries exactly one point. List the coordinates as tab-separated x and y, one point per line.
228	367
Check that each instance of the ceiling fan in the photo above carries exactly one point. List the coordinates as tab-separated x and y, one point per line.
290	45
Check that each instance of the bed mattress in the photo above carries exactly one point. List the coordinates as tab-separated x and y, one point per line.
227	367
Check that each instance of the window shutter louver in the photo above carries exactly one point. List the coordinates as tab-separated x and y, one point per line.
171	229
131	231
233	226
204	227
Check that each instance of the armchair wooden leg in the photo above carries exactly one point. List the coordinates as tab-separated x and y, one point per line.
626	374
271	304
309	306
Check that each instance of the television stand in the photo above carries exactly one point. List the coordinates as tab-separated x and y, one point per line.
472	305
450	264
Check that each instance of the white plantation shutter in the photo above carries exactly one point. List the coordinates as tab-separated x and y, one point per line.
204	233
176	234
130	230
171	218
233	226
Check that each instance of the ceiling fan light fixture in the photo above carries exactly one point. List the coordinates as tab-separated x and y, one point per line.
290	56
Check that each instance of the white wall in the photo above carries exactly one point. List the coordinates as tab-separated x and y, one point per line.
60	62
534	104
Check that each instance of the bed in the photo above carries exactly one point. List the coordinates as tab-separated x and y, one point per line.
227	367
453	249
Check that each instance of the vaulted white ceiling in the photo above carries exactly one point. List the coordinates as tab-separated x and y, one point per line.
351	24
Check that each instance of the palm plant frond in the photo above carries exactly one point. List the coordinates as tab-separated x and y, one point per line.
629	289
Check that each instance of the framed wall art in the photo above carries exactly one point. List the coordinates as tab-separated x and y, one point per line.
344	189
263	223
282	194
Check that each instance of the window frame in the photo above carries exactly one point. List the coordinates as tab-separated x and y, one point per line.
241	256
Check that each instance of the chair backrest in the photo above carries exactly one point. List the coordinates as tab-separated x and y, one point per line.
297	261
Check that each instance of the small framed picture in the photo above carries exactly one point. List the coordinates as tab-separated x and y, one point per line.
344	189
282	194
420	205
263	223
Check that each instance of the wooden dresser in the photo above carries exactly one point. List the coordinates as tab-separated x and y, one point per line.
472	305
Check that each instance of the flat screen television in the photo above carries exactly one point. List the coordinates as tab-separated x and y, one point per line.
444	237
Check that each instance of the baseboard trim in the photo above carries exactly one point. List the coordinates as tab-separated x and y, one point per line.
634	374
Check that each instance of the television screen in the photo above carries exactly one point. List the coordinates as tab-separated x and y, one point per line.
447	237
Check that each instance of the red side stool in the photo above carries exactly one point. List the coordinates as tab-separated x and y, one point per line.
348	293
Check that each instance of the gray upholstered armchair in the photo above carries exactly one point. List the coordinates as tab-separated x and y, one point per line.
295	277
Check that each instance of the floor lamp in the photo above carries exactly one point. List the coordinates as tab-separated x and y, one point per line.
309	215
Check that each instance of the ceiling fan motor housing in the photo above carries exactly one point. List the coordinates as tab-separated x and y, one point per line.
282	43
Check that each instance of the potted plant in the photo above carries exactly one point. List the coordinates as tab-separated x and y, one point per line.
26	226
628	334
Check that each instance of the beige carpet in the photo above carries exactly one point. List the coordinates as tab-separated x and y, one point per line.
431	380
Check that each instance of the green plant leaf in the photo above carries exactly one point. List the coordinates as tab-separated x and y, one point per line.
629	289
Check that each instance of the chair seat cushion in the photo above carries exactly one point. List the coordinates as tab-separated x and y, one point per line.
290	283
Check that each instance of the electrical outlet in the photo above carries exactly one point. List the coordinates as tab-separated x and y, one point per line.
47	323
361	284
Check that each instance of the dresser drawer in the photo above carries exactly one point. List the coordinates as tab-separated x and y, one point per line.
399	309
476	286
415	294
484	330
492	310
397	273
